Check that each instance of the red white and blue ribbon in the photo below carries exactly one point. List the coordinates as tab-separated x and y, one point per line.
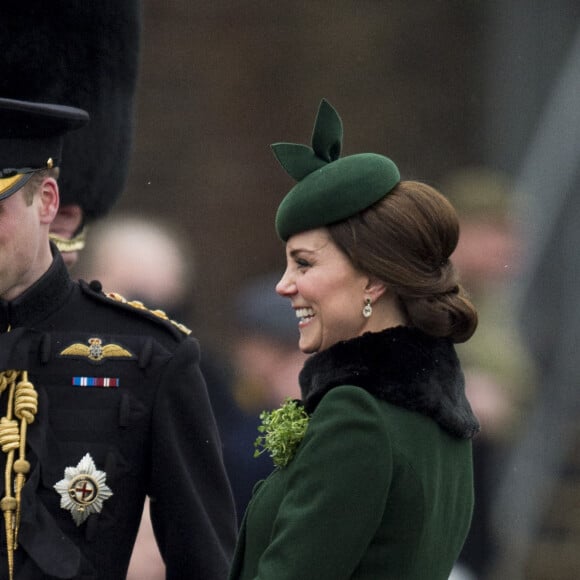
103	382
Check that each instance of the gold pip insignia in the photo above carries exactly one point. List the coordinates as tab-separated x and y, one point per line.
96	351
83	489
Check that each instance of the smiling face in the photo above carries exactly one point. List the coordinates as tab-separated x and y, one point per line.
326	291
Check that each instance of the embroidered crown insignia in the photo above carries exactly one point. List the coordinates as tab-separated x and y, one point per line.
96	351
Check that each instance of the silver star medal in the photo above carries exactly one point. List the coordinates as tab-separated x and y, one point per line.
83	489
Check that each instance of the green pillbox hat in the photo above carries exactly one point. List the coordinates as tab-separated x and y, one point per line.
329	189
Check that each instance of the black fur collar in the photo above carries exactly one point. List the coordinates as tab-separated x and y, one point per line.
401	365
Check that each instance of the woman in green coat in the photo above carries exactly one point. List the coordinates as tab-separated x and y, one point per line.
374	467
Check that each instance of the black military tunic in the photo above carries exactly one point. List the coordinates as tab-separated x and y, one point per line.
123	386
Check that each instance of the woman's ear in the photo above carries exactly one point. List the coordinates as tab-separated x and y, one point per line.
375	288
48	197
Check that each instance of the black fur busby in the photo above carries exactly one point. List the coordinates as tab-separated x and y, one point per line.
81	54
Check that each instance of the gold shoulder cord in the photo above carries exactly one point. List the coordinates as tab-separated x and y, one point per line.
138	305
74	244
20	411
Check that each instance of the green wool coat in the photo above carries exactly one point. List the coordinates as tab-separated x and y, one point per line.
376	490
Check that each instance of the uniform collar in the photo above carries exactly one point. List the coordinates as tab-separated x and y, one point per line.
44	297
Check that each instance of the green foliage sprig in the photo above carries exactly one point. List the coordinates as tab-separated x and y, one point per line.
282	431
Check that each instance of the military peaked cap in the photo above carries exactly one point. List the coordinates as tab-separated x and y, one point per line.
31	138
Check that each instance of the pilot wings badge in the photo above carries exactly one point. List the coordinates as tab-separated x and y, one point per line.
83	489
96	351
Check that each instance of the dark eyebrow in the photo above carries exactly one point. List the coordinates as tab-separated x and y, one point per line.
294	253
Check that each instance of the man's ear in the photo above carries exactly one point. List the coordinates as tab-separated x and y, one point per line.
49	198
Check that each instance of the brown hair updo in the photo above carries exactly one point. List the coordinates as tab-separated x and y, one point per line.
405	240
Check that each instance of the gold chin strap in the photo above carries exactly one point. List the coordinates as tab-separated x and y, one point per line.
20	411
74	244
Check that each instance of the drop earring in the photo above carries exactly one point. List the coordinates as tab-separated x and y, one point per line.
368	309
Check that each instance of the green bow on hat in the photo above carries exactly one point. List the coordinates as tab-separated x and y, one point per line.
329	189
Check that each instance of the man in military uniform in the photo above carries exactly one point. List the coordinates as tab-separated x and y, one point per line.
102	401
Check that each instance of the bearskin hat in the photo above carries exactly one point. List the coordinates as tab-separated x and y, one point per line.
86	55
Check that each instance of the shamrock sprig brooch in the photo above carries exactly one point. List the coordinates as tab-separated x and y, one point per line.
282	431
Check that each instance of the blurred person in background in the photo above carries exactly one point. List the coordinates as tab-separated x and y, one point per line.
499	371
143	259
266	363
267	360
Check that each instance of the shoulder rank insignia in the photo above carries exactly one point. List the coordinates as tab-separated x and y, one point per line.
138	305
96	351
83	490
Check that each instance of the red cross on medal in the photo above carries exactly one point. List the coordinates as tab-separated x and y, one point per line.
82	490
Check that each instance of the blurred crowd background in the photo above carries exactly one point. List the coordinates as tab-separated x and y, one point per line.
479	98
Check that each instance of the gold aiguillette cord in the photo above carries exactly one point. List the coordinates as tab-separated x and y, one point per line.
21	408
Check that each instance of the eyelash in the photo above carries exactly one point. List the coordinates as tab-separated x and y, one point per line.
301	263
